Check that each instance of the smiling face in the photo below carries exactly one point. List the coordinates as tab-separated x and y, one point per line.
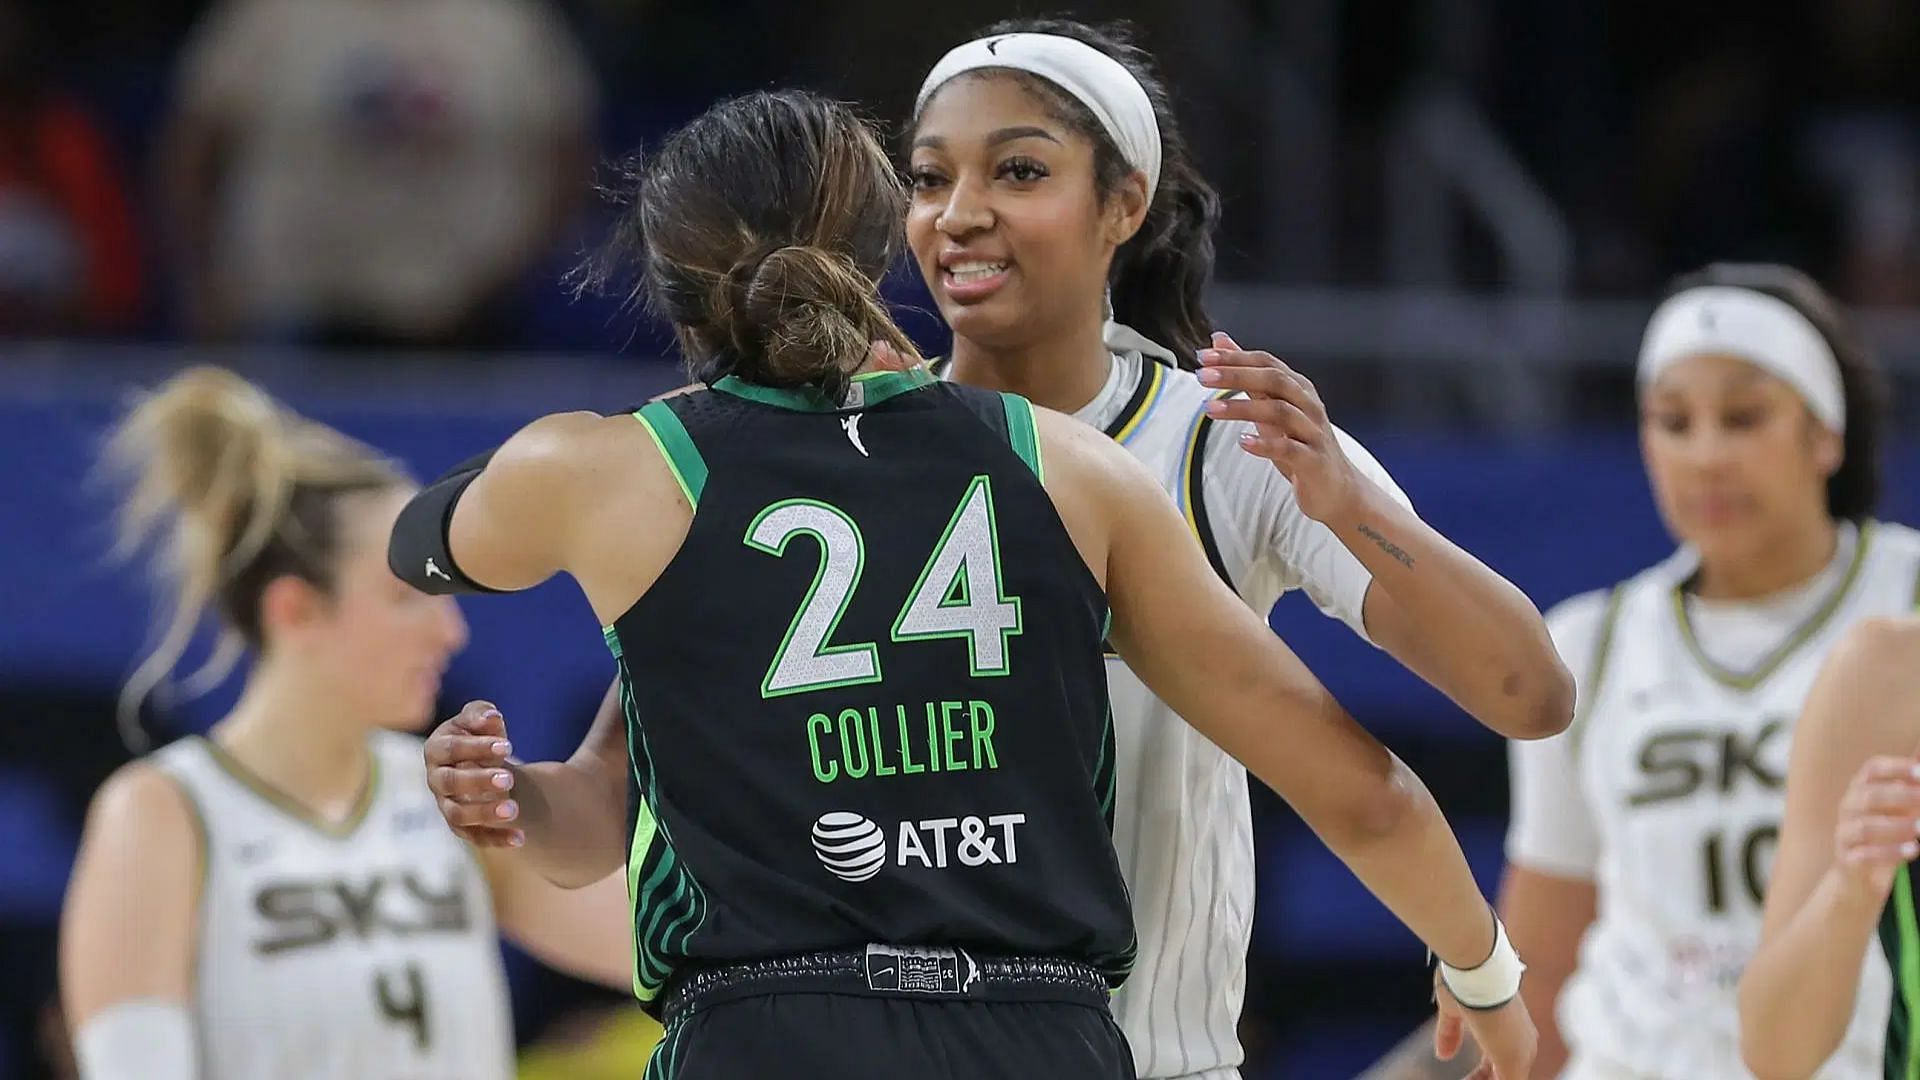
1734	456
1007	221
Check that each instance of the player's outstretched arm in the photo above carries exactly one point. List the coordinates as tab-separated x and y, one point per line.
568	493
1852	822
503	521
1219	666
1434	607
127	931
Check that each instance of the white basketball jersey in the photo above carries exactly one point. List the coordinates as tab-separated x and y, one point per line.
1183	826
363	952
1668	792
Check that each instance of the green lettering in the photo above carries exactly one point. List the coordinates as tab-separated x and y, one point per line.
980	719
907	764
953	734
852	735
933	739
880	766
824	771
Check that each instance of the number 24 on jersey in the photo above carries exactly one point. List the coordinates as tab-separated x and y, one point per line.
960	594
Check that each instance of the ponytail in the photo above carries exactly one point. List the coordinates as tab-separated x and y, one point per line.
761	231
229	490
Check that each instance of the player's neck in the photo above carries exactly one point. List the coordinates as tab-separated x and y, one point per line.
294	738
1791	559
1062	372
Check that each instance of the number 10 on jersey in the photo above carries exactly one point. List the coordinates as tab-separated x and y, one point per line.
1742	857
960	594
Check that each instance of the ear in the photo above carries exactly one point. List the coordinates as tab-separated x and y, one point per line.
289	604
1829	449
1126	210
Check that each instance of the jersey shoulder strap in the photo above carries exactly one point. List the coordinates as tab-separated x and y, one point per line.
1193	487
676	446
188	764
1009	416
1146	393
1596	665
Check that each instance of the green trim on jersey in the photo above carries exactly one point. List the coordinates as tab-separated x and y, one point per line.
1758	674
669	905
683	457
288	805
1022	434
1902	941
666	1053
869	388
1105	776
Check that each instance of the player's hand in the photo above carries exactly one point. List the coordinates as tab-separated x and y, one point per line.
1879	826
467	768
1505	1035
882	356
1290	425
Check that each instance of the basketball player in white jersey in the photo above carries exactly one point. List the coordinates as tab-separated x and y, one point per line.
1642	838
1066	237
282	899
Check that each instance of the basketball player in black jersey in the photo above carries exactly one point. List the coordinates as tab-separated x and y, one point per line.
865	795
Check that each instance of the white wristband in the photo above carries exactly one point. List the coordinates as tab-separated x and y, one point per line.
1494	983
143	1038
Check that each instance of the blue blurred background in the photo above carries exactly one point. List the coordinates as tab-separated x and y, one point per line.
1452	214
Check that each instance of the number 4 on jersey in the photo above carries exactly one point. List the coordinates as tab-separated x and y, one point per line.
959	594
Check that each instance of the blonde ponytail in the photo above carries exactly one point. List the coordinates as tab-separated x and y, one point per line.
221	484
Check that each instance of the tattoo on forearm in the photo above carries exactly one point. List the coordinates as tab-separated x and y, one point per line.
1386	545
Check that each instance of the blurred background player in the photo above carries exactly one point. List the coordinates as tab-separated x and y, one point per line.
351	173
1844	874
1023	151
762	228
280	897
1641	838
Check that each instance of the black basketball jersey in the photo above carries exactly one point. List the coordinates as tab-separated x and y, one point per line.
866	701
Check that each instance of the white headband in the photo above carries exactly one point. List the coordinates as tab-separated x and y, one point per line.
1760	329
1108	90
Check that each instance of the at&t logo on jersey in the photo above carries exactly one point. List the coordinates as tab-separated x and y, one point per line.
854	848
849	846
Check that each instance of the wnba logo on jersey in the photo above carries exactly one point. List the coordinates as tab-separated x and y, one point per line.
854	848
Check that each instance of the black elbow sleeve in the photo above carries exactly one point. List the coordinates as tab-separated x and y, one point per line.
418	553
